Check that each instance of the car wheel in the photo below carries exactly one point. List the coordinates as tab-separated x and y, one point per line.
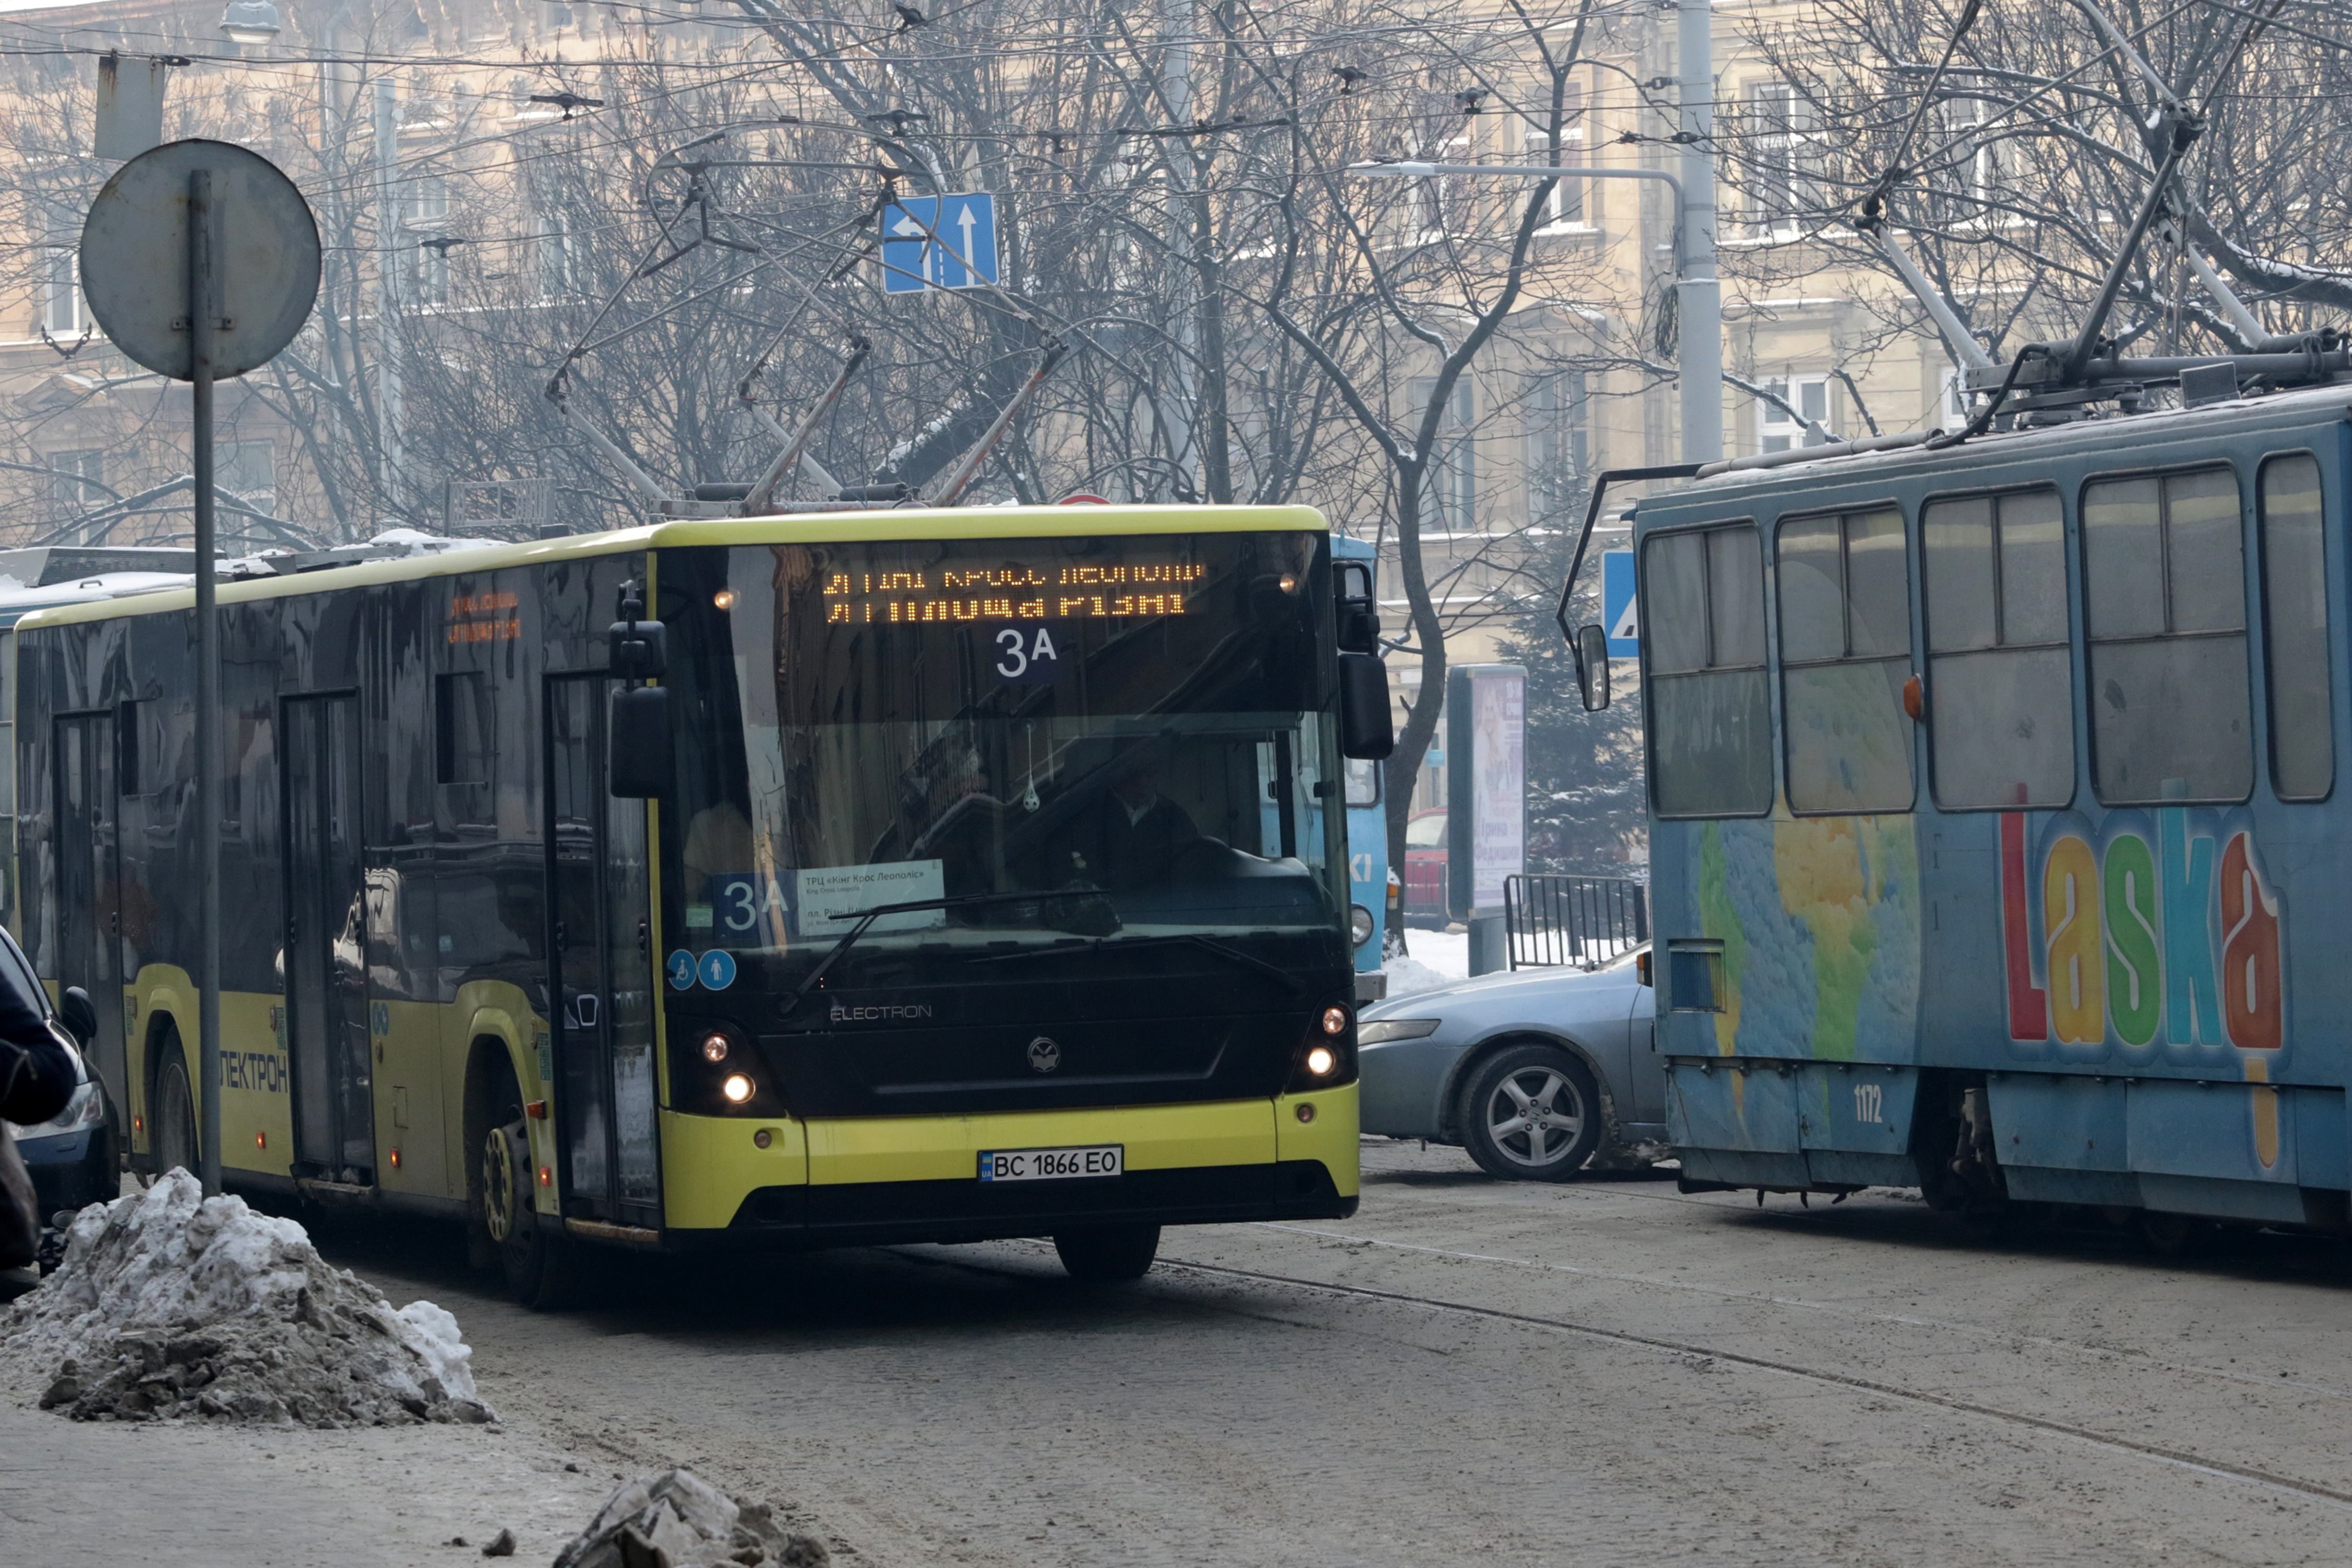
175	1117
1530	1113
1110	1253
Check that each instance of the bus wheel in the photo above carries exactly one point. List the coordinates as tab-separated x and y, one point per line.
534	1255
175	1115
1530	1113
1108	1253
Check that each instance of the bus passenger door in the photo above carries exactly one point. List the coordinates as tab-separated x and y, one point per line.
324	961
601	987
89	894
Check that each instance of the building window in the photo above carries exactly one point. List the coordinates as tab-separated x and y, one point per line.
1776	430
1566	207
62	310
425	203
1999	671
2164	587
1977	166
1555	443
1784	158
428	274
77	485
1708	707
552	257
1845	652
249	470
1450	488
2294	616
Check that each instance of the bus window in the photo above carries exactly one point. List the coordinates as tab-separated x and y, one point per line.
1845	652
2164	584
1710	714
1997	660
2295	615
1364	778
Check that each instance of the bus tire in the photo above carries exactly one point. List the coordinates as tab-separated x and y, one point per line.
534	1255
175	1143
1110	1254
1530	1113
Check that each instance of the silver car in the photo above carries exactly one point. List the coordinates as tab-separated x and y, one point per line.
1535	1073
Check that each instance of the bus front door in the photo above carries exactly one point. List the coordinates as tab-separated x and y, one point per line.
601	988
90	893
325	958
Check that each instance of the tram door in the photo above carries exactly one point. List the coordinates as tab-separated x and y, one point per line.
325	956
89	891
602	959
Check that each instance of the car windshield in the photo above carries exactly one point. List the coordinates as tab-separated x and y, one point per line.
1129	728
1427	832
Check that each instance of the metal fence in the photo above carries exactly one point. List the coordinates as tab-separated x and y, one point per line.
1580	921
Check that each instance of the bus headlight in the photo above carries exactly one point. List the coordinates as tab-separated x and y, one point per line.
1321	1060
738	1087
714	1048
1359	923
1334	1020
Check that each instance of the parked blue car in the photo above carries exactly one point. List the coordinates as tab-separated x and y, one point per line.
1536	1073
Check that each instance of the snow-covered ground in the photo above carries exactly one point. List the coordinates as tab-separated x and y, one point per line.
1434	958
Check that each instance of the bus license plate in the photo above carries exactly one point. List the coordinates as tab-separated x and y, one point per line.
1051	1164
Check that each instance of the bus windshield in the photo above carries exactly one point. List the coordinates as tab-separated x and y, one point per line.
1130	729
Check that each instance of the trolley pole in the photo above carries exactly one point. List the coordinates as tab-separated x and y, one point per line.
1699	317
200	323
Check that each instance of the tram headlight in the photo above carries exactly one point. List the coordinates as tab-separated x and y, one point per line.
738	1087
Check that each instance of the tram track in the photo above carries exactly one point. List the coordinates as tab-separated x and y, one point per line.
2181	1460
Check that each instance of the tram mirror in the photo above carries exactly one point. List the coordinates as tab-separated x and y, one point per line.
1592	665
79	1017
638	743
1367	726
1360	613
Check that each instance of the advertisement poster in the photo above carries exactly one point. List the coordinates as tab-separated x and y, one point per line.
1498	782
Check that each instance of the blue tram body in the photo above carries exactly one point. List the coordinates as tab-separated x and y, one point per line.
1995	848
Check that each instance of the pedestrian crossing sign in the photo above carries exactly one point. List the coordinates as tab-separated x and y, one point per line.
1620	605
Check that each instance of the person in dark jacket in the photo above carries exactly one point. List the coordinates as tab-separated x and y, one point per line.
36	1068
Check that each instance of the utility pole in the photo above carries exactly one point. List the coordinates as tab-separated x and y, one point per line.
1698	316
387	290
1176	86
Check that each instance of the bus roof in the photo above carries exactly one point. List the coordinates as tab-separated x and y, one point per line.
1993	450
804	528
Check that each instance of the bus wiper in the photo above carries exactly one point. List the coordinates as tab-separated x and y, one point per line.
865	918
1288	981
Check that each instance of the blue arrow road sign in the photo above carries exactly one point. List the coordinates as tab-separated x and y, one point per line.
938	242
1620	606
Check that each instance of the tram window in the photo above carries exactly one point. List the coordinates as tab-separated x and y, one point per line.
1998	666
461	724
1709	711
1845	652
2164	582
2295	615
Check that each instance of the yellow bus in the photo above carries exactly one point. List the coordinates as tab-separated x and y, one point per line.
802	881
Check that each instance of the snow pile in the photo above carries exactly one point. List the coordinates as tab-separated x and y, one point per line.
1408	976
680	1519
169	1303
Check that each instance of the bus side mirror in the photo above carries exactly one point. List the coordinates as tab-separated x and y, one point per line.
640	647
1592	667
1367	726
76	1012
637	743
1360	613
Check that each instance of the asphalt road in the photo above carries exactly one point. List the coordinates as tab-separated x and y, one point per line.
1607	1372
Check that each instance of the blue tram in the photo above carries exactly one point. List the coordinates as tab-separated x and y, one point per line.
1996	847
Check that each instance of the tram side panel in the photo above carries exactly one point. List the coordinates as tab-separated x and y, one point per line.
2122	1003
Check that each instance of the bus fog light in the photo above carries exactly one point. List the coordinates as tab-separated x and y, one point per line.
1334	1020
763	1138
1307	1112
736	1088
1320	1061
714	1048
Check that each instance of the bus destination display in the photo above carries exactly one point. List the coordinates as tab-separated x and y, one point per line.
1067	590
